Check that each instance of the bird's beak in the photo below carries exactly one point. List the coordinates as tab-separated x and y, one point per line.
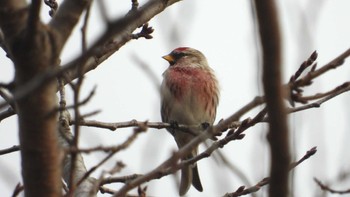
169	58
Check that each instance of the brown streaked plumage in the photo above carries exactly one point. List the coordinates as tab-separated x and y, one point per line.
189	95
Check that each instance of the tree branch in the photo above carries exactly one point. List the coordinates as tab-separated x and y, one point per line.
328	189
338	61
32	52
9	150
121	32
265	181
278	129
13	15
34	18
65	19
65	137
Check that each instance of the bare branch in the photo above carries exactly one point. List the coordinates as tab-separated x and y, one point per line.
9	150
244	191
33	19
115	150
338	61
122	179
7	113
306	64
134	5
53	5
223	125
18	189
145	32
170	165
8	98
269	29
328	189
231	135
135	123
13	17
340	88
120	29
84	27
75	140
65	19
66	139
295	89
336	92
308	154
106	190
229	122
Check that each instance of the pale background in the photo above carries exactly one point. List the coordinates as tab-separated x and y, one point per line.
224	31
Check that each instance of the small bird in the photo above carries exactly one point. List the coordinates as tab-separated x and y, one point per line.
189	96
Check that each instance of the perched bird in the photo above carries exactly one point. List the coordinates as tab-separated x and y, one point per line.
189	96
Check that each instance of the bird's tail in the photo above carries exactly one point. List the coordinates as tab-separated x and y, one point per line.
196	181
189	174
186	179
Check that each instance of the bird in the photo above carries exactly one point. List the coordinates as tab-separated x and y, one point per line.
189	96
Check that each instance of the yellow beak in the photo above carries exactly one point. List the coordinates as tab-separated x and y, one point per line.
169	58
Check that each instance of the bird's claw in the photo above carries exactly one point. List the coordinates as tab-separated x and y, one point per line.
174	124
205	125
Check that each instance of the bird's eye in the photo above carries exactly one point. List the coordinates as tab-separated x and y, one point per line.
178	55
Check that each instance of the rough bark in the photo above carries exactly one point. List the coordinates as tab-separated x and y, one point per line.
34	48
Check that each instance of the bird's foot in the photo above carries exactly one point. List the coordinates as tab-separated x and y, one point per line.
174	124
205	125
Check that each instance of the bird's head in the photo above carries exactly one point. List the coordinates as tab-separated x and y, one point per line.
186	56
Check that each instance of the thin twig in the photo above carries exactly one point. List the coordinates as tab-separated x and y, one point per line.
76	88
238	172
171	165
53	5
120	29
18	189
6	95
124	145
134	123
64	107
307	155
145	32
230	122
328	189
106	149
10	150
231	135
336	62
106	190
325	94
66	139
123	179
134	5
7	113
346	88
242	190
294	88
84	27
